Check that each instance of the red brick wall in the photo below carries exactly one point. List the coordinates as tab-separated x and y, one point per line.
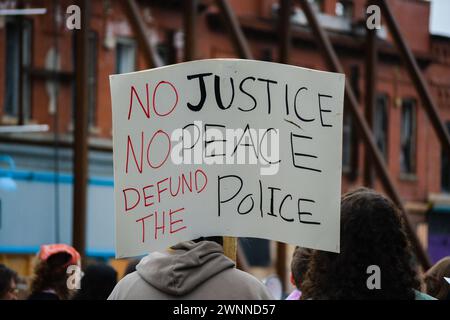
413	18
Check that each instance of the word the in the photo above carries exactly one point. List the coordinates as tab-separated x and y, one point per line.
163	223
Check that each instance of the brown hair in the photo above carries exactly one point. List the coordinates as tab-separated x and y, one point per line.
372	233
436	285
51	274
299	264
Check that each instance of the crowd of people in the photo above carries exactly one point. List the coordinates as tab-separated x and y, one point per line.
372	234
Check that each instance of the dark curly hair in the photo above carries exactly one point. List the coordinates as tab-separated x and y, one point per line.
51	274
299	264
372	233
6	276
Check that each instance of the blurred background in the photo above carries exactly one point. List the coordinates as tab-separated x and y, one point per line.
55	108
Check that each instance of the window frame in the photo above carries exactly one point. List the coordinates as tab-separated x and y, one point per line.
409	173
385	130
445	166
126	41
23	73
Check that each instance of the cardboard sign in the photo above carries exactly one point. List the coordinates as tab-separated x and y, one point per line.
227	147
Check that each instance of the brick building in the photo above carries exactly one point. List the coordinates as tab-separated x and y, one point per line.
42	82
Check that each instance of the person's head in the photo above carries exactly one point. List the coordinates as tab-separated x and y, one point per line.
372	235
299	265
435	283
51	269
97	283
131	266
8	283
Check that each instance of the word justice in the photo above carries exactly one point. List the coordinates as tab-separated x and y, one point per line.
164	99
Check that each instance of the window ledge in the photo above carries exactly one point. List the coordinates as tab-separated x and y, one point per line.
92	130
8	120
408	177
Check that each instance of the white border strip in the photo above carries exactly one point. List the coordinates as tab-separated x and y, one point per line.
20	12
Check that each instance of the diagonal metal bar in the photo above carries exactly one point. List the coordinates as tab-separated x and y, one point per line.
133	14
190	36
370	96
285	30
237	35
333	63
284	33
415	75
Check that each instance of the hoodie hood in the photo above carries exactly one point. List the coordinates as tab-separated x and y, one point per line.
184	268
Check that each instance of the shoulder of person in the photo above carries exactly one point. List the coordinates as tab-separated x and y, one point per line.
423	296
251	281
122	287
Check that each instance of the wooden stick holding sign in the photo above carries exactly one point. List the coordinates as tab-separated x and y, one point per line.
227	147
230	247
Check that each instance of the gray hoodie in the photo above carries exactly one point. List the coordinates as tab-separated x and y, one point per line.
189	271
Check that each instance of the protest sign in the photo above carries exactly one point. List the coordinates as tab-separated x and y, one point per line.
227	147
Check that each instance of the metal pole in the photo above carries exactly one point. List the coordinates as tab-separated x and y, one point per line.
241	260
21	111
334	64
284	32
132	11
370	84
230	247
243	50
237	36
190	36
416	76
80	159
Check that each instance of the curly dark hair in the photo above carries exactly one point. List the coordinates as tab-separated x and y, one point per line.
372	233
51	274
299	264
6	276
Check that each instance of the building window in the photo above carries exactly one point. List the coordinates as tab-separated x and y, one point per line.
167	50
354	80
408	136
92	78
380	124
125	55
16	67
347	143
317	5
344	9
445	180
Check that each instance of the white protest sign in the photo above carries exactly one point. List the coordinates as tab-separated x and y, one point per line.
227	147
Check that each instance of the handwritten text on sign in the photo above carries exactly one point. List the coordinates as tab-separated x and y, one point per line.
227	147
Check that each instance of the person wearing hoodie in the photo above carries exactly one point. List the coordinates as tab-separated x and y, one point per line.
191	270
